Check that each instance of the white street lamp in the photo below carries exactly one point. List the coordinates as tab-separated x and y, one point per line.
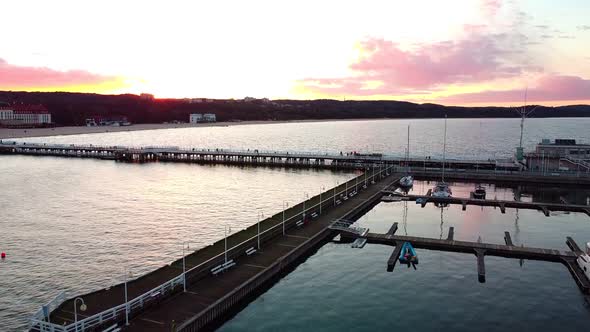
184	264
285	206
260	216
82	308
225	241
126	300
322	188
305	197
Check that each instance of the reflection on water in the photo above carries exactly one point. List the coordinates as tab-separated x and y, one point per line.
341	288
75	224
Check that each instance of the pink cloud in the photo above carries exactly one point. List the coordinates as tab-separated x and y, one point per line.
491	7
547	88
476	58
13	76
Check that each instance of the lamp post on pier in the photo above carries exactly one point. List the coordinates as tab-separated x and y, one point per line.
184	245
285	206
126	299
305	197
260	216
82	308
322	188
337	184
225	241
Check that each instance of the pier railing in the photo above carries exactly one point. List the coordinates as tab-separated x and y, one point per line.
38	321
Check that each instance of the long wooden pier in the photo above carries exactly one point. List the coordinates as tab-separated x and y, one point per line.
546	208
218	282
480	250
485	171
241	157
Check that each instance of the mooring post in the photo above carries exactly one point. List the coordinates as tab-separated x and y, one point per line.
451	234
392	230
508	239
481	269
394	256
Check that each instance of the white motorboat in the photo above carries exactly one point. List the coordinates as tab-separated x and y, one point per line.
442	190
407	181
584	261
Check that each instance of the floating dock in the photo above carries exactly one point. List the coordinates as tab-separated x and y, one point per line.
546	208
480	250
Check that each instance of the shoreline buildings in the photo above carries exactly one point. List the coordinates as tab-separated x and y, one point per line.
198	117
24	116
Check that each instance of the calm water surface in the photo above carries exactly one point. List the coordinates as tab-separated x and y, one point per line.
73	224
341	288
466	138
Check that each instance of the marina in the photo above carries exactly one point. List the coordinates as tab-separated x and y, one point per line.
151	295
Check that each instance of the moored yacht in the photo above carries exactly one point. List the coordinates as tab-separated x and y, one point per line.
407	181
479	192
442	189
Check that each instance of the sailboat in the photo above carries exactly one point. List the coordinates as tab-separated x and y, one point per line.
407	181
480	191
442	189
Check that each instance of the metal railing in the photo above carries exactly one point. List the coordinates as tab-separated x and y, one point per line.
37	322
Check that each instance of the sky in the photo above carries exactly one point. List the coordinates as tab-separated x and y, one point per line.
455	52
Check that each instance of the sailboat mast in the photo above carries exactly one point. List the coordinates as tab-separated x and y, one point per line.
408	151
444	150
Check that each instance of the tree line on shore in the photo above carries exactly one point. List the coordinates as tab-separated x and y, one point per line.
74	108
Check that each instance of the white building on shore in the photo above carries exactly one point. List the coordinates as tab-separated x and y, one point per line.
198	117
24	115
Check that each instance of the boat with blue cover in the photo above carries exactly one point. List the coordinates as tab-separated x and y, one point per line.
408	255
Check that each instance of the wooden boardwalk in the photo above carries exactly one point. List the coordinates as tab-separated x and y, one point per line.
546	208
171	306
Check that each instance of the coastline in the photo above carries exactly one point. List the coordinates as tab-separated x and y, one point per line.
7	133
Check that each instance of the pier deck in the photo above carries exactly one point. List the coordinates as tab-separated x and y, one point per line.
172	306
546	208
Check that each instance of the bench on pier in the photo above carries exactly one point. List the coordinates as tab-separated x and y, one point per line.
345	198
314	215
220	268
338	202
250	251
299	223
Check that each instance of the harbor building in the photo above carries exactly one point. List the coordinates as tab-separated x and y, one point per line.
559	155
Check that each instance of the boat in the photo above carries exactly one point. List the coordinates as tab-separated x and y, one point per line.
408	255
583	261
479	192
442	189
407	181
